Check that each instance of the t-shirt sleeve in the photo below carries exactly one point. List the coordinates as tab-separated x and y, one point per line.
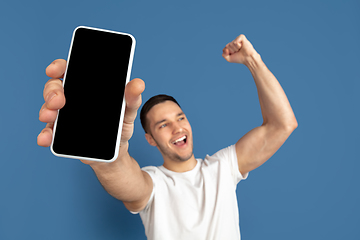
151	171
229	154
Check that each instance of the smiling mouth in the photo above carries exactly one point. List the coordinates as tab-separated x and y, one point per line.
180	141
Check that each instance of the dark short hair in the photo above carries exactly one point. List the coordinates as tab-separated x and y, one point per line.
149	104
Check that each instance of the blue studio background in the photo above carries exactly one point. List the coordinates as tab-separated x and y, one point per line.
308	190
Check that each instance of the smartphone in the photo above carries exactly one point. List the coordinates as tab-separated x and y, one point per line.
98	68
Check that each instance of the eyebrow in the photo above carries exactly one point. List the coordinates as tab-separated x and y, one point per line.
164	120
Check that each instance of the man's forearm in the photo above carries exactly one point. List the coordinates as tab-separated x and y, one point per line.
275	106
123	178
260	143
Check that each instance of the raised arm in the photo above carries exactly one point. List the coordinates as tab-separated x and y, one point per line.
123	178
279	121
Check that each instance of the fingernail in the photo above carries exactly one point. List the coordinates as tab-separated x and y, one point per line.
44	130
50	96
42	109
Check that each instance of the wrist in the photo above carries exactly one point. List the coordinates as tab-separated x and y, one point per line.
123	155
253	61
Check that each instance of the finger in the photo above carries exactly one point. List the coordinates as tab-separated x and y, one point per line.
88	162
230	48
54	94
236	45
45	137
47	115
226	53
240	38
244	42
56	69
133	92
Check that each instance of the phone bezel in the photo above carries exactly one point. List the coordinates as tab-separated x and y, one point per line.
117	146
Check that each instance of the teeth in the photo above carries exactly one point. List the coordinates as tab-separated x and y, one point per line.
180	139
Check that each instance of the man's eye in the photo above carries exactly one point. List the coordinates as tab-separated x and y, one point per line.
182	118
162	126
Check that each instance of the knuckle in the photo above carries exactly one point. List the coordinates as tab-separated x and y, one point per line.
52	86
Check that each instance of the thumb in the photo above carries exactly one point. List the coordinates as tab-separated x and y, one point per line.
133	92
226	54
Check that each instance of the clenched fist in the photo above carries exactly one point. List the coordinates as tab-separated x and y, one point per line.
239	50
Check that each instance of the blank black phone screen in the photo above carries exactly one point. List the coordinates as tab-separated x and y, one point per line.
94	84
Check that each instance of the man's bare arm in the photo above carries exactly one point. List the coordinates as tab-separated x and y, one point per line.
279	121
122	178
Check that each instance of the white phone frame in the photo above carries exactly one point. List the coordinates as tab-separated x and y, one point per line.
117	146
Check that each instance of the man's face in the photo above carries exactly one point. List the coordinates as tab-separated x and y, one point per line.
170	131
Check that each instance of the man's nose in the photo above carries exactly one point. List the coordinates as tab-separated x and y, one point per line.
177	127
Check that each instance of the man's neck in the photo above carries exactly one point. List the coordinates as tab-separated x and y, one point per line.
180	166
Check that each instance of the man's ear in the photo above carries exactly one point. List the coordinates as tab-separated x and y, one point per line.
150	139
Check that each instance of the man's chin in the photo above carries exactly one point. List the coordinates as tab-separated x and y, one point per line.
184	158
176	156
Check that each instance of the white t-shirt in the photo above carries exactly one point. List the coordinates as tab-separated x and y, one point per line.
195	205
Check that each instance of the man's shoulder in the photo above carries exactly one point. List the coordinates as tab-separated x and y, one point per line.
156	172
225	160
222	153
151	169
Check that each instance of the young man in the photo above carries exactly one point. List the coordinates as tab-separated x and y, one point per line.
185	198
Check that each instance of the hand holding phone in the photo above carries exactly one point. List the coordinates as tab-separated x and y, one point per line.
55	100
89	125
